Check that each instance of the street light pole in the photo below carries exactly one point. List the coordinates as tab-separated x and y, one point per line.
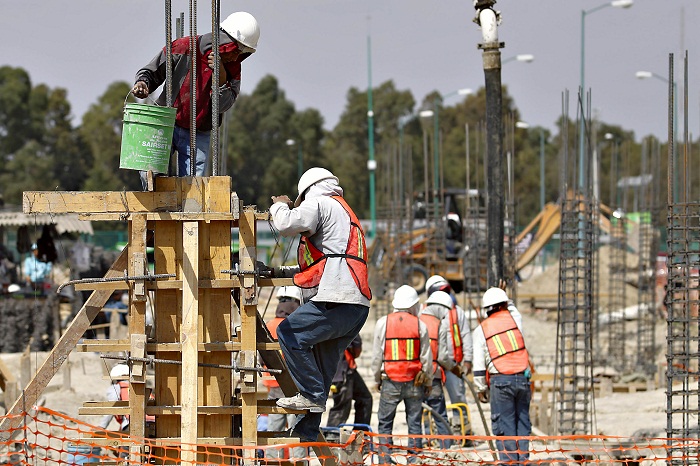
371	163
582	123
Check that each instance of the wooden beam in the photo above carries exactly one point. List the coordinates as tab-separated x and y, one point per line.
59	202
60	352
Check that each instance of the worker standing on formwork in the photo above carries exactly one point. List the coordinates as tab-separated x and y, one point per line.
501	373
402	367
459	342
239	40
434	316
332	272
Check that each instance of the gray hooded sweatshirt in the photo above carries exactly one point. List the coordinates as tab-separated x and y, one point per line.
326	224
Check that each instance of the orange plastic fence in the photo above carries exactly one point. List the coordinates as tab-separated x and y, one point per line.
50	437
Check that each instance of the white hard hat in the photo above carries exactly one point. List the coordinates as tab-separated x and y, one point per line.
442	298
13	288
242	27
434	280
120	370
493	296
311	176
405	297
293	292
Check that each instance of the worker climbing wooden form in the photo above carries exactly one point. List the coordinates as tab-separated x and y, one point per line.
189	221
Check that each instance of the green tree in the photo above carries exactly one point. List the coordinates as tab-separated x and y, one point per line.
347	147
261	163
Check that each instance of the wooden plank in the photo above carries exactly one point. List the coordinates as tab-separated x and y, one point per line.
113	346
110	407
137	332
215	309
60	352
55	202
160	216
249	315
190	338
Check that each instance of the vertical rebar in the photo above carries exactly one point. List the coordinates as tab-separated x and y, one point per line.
194	54
215	14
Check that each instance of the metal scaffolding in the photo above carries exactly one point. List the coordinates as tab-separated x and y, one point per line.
573	373
615	355
682	301
647	251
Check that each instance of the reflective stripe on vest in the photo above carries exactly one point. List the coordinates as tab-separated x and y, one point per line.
433	324
402	347
272	327
456	334
505	343
312	261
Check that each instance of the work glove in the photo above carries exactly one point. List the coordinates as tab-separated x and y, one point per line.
140	90
379	387
283	199
421	379
483	396
466	368
457	370
264	270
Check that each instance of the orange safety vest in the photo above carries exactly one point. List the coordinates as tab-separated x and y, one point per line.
312	261
455	333
272	327
124	396
505	343
402	347
433	324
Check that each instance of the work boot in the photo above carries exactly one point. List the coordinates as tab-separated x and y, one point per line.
301	403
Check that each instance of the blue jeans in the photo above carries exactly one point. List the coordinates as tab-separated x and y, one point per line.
313	338
510	415
392	394
436	400
181	144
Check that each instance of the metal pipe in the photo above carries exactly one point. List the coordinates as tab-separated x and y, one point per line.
488	20
233	367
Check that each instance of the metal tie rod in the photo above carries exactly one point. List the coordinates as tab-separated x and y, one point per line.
233	367
126	277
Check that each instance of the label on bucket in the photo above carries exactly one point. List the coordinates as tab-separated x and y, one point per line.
146	137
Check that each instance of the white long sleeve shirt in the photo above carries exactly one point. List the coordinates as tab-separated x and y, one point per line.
325	223
482	359
426	356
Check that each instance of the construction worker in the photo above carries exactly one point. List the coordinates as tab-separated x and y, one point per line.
459	343
289	299
238	40
434	316
333	275
402	364
118	390
348	386
501	373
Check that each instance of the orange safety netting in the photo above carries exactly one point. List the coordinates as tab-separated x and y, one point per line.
49	437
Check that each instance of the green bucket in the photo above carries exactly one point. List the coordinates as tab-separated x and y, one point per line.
146	137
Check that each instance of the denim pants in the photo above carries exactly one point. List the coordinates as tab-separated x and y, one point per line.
436	400
392	394
510	415
181	144
313	338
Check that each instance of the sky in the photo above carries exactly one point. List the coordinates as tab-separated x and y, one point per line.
317	49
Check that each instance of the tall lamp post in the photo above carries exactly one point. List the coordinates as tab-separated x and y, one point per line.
523	57
371	163
300	158
649	75
436	138
582	124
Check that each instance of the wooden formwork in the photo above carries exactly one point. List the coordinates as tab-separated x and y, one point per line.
190	220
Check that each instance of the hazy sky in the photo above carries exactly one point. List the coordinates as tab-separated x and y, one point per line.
317	49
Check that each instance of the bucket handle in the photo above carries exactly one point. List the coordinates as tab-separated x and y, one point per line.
146	99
